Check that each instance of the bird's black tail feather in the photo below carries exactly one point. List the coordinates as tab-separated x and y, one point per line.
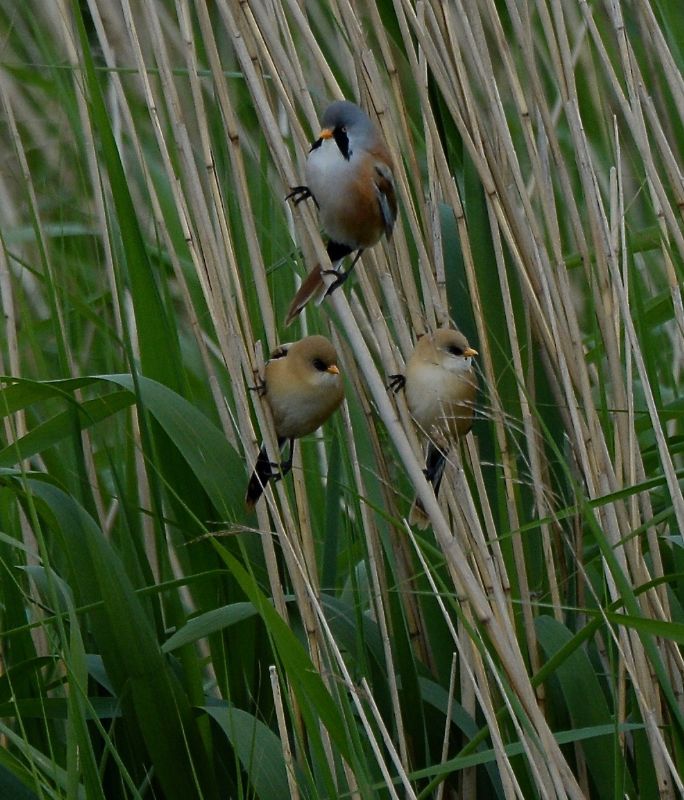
434	470
434	466
260	477
264	470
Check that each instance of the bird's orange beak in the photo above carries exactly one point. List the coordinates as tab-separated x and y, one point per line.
334	369
326	133
470	351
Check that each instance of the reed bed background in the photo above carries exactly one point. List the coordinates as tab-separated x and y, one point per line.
158	641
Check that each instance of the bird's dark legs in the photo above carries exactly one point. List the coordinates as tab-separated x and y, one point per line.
285	466
299	193
396	383
337	252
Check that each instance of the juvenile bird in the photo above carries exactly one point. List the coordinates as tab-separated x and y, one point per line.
303	387
440	385
349	176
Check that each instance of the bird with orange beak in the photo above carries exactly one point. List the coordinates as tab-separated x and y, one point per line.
303	387
349	176
441	386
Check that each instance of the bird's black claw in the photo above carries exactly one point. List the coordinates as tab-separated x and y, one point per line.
396	382
259	388
298	193
276	471
340	279
283	468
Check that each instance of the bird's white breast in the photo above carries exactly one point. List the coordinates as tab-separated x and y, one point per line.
432	388
329	176
326	169
424	392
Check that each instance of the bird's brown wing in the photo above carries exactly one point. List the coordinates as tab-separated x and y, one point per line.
387	198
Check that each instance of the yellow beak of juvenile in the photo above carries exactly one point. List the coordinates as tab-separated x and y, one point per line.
470	351
334	369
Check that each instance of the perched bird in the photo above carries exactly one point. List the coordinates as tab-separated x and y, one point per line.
349	176
303	387
440	385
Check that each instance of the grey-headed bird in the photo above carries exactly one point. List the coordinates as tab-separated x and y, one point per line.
349	176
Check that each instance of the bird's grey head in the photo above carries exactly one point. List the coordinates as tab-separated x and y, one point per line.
343	113
349	125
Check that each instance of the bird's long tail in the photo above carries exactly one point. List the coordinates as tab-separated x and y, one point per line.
313	287
434	470
263	471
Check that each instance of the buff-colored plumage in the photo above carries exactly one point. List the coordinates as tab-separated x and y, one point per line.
303	387
441	387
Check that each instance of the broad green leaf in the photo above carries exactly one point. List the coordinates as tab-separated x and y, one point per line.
41	765
585	701
218	468
438	697
60	427
12	787
258	748
210	622
141	675
316	702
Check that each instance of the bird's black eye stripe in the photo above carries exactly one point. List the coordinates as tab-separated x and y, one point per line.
321	366
342	141
316	145
455	351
